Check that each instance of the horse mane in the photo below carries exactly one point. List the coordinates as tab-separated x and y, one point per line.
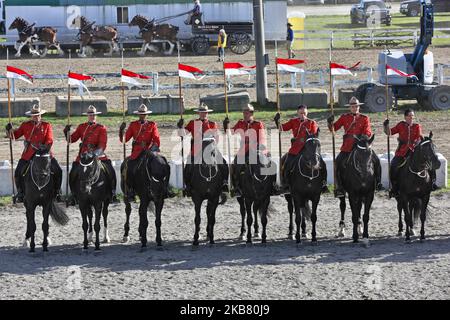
22	20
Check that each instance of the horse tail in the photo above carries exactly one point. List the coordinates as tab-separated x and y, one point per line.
416	208
58	214
307	211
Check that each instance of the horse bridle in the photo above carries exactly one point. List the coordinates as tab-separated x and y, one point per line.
92	181
423	173
312	176
31	171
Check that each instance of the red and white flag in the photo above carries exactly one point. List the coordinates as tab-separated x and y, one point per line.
131	77
340	70
390	71
76	79
185	71
236	69
287	65
15	73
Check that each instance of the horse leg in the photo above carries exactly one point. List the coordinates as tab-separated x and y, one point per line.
342	205
106	238
263	209
158	209
423	216
84	216
90	217
400	222
44	52
367	205
46	212
197	220
354	205
58	47
303	224
142	52
408	217
31	225
98	214
298	218
315	203
143	221
291	216
256	208
248	207
19	49
82	53
211	213
360	227
126	227
242	209
109	54
171	47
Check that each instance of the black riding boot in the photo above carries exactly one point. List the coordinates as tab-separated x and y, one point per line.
18	179
112	175
235	173
340	159
225	172
434	186
73	176
187	179
57	176
286	167
377	168
324	176
127	171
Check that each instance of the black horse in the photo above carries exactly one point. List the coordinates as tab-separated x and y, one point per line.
207	183
92	189
415	185
306	184
149	180
39	190
256	180
358	179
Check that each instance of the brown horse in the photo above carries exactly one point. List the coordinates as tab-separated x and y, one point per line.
89	33
29	33
152	32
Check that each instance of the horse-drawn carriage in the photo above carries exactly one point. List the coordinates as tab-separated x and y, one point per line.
240	35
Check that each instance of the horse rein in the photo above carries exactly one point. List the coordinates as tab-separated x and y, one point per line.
423	173
312	176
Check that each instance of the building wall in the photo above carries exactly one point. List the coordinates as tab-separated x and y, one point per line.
56	16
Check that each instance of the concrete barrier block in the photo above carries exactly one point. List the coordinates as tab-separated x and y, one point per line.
164	104
18	106
237	100
79	104
344	96
291	98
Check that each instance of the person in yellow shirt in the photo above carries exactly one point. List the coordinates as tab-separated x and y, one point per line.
221	44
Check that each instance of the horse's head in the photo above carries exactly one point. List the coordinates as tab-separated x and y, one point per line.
90	171
42	159
363	152
80	22
139	21
425	150
18	23
209	150
157	172
311	151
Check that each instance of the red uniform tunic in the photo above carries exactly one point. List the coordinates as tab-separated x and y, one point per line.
198	129
35	134
300	130
354	124
408	136
144	136
93	136
252	134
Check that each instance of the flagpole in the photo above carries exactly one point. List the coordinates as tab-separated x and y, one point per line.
181	118
68	133
123	112
228	129
333	133
278	108
387	118
10	135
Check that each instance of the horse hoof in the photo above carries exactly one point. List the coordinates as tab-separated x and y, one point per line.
291	237
365	242
26	243
413	232
304	236
399	234
97	250
159	247
257	236
212	244
422	240
360	231
242	237
314	243
45	249
31	251
341	234
107	240
407	241
249	244
126	239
